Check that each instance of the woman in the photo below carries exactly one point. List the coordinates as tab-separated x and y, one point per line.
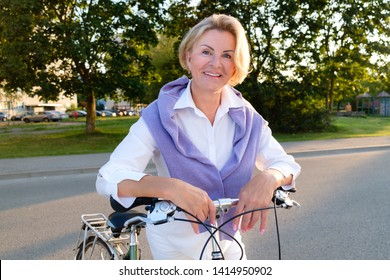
206	141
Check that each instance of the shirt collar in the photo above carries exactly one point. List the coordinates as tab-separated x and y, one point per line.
229	100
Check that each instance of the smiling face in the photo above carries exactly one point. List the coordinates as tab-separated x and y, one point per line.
211	61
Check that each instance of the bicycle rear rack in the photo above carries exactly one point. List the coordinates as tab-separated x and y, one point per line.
96	225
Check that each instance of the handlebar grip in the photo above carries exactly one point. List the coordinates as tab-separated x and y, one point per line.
137	202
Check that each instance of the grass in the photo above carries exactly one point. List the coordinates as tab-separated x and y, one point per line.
344	127
51	139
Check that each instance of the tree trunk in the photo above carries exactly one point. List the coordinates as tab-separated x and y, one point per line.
91	113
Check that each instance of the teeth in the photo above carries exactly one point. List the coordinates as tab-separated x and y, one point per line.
212	74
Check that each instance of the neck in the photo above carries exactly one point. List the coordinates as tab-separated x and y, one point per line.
208	103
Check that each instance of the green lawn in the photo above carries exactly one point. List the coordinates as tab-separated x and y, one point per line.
345	127
49	139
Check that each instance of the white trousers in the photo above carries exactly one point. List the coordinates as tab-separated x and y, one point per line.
177	241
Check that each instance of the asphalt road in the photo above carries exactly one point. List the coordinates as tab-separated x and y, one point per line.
344	214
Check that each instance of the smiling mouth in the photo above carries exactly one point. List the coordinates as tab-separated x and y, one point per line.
212	74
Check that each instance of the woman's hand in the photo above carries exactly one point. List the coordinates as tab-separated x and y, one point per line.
193	200
258	193
186	196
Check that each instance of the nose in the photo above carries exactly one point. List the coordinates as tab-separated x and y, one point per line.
215	60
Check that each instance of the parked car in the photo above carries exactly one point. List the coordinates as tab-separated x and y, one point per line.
132	113
108	113
18	117
62	115
100	114
3	116
77	113
121	113
45	116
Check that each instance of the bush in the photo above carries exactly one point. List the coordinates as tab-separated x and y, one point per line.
301	116
289	108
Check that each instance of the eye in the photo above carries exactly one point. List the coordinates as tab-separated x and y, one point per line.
227	56
206	52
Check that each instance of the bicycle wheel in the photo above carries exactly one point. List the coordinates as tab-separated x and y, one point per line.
94	250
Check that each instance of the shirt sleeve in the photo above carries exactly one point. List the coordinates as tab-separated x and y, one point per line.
271	155
128	161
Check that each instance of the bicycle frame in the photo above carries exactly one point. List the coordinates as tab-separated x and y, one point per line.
133	252
222	206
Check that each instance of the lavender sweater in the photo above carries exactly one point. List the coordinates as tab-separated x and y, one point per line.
186	162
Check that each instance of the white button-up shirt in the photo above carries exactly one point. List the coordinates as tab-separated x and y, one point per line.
215	141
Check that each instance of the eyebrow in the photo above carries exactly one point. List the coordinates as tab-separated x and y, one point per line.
205	45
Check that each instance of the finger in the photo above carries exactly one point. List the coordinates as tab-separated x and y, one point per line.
238	211
245	221
254	219
263	221
195	228
212	212
194	224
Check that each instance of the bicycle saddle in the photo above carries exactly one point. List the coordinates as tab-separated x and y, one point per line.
116	220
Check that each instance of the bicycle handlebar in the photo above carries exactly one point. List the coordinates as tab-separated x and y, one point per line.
281	197
161	211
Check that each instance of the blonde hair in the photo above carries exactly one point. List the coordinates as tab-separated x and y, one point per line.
224	23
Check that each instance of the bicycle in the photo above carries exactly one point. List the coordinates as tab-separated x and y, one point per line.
116	237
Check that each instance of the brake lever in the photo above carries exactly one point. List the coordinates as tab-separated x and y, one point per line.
281	198
161	212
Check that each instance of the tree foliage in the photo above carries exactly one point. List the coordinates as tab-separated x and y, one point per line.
92	48
306	55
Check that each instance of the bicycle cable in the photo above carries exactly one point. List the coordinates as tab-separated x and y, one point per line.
212	235
277	231
198	221
216	229
260	209
219	228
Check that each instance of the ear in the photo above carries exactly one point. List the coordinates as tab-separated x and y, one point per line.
188	60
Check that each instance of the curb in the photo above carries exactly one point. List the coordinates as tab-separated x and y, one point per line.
33	174
336	151
297	153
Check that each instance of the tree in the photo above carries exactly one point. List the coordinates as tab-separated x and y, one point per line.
306	55
164	59
272	27
345	48
88	47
